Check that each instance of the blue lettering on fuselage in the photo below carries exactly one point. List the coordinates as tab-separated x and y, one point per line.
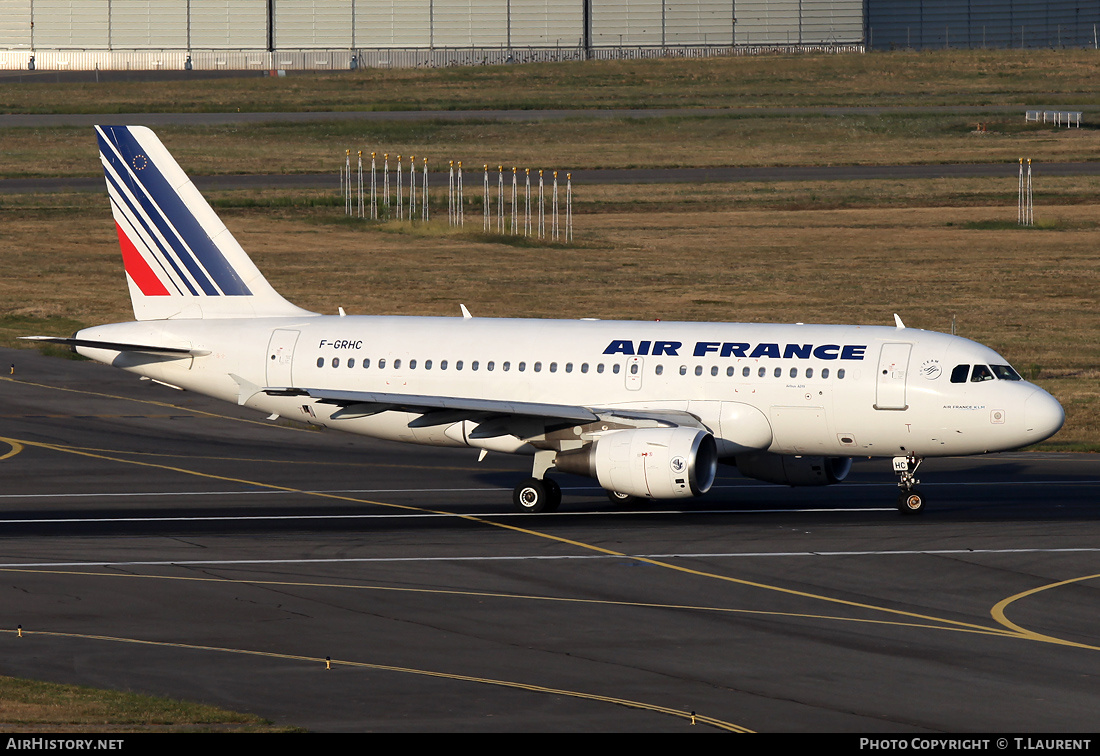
740	349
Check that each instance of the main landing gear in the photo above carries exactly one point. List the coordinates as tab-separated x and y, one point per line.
538	493
910	500
534	495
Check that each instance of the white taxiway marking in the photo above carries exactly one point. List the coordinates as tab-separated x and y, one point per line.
521	558
566	489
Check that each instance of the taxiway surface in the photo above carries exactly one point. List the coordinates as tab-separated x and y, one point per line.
158	541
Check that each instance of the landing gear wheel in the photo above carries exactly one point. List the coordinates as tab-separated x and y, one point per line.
553	490
534	495
626	501
911	502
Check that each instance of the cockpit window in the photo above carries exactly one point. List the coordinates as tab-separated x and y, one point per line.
1006	373
958	375
981	373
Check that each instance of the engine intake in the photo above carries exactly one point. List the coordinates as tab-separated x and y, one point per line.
657	463
791	470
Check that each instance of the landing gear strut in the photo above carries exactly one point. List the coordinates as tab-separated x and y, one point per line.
910	500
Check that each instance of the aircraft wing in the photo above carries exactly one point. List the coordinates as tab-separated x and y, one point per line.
372	402
448	409
117	347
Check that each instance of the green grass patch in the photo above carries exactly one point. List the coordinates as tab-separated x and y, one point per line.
27	705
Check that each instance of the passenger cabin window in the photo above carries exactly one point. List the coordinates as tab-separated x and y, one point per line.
320	362
959	373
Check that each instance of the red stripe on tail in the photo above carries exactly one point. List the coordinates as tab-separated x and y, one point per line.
139	270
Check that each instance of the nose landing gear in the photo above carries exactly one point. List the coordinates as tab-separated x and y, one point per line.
910	500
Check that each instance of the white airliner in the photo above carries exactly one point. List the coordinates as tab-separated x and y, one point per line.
648	409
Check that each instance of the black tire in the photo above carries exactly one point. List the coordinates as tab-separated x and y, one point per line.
626	501
910	502
533	496
553	491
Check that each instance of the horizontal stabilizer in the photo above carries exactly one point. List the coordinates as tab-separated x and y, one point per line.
180	351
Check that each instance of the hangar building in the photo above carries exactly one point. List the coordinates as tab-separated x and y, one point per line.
342	34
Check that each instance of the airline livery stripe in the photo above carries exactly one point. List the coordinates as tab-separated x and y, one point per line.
138	270
151	208
168	211
124	201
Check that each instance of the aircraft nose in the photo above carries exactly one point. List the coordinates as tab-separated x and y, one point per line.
1043	416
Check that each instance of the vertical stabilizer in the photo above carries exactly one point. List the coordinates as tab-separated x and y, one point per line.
181	261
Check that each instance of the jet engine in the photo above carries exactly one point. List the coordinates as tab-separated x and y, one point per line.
657	463
794	470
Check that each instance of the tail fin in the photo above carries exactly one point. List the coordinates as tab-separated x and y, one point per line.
181	261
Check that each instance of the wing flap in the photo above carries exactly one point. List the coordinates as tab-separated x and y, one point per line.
428	403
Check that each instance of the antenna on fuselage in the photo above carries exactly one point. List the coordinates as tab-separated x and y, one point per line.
897	321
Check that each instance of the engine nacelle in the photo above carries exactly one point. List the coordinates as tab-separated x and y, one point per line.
657	463
792	470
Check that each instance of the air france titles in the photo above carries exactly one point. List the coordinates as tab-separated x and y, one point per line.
740	349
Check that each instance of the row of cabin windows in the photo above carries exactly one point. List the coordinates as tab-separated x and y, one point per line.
459	365
761	371
746	371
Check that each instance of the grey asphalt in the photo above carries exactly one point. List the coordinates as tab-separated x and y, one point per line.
158	541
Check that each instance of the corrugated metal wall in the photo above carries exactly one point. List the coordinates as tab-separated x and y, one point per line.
378	24
937	24
138	25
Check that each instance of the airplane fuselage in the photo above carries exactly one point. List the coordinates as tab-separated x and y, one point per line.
785	389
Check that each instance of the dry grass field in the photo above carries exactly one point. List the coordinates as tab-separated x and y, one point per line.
1064	78
838	251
